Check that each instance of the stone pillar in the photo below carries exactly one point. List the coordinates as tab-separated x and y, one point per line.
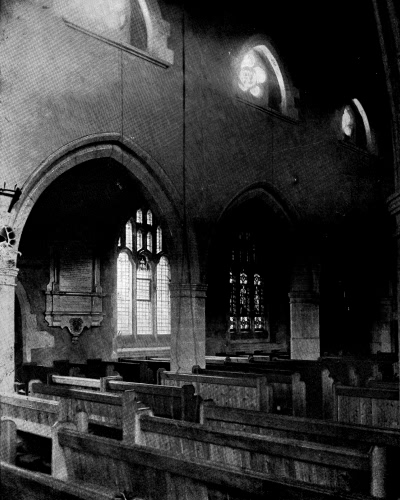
381	333
304	325
188	335
8	275
394	209
304	309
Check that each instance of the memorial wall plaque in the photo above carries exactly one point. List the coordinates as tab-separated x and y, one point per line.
74	295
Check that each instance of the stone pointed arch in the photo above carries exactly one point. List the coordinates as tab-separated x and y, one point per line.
147	171
272	199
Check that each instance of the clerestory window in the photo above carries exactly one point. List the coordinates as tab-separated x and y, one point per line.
143	278
355	126
260	79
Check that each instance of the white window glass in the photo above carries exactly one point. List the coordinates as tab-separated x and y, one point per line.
159	239
139	240
163	297
149	241
149	218
124	294
347	121
139	216
128	235
143	301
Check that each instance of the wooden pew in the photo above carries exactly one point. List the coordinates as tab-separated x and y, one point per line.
288	391
308	373
21	484
356	371
385	443
250	391
161	475
30	414
75	382
333	467
179	403
103	409
370	406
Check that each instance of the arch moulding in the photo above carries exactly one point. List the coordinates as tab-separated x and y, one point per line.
139	163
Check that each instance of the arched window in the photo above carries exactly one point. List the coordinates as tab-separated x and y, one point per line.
247	312
131	24
259	79
354	125
143	277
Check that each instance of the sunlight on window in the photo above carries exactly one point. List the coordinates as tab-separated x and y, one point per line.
128	235
139	240
159	239
143	281
347	122
163	297
252	74
124	294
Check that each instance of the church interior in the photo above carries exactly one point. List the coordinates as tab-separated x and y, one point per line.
199	249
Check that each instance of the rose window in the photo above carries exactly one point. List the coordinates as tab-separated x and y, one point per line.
252	75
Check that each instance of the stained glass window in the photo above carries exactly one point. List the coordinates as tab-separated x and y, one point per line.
246	286
143	290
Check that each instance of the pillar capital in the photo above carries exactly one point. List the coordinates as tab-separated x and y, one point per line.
303	297
8	275
194	290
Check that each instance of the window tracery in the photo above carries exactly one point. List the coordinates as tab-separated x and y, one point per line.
143	277
247	283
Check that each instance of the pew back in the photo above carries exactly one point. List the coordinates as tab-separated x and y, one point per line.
250	391
370	406
30	414
159	475
179	403
325	465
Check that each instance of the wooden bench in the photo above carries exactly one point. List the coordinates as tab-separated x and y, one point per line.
356	371
250	391
30	414
103	409
179	403
288	391
370	406
307	396
26	485
333	467
385	443
161	475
